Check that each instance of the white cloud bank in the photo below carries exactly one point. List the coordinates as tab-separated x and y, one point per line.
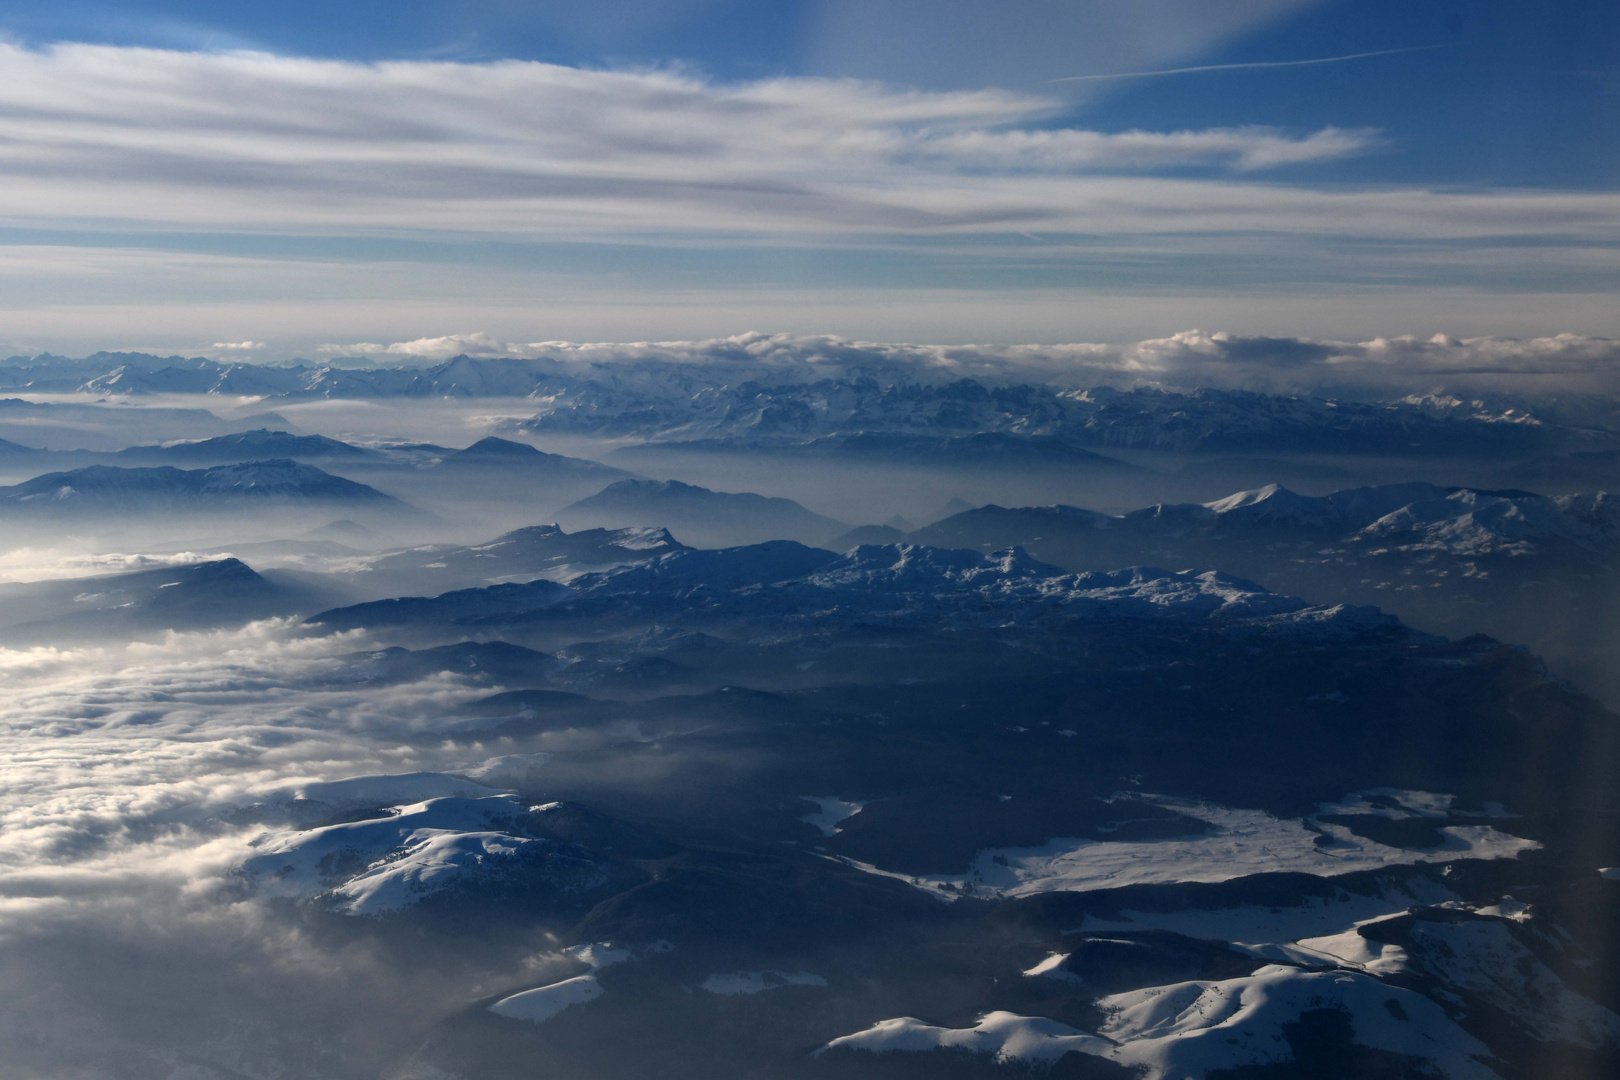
112	759
442	347
110	135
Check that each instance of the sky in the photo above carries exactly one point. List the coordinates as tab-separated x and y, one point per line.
186	176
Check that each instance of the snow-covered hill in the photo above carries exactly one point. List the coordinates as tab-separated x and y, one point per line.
410	852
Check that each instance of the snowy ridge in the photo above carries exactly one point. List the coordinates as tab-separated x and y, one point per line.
383	864
913	584
1414	518
1189	1029
898	584
1032	1040
1481	955
1485	523
1425	517
1410	933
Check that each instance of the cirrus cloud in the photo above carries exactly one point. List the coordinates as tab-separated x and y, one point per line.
248	140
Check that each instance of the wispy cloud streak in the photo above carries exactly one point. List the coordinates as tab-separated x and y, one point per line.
110	136
1250	66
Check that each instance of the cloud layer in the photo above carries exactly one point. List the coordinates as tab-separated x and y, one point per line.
114	759
254	141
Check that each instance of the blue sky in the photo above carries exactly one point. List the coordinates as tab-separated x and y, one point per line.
302	173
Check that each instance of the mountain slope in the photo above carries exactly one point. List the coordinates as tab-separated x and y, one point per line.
703	517
520	555
989	450
261	444
224	592
99	489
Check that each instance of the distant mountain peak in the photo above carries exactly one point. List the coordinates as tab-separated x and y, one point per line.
1252	497
493	446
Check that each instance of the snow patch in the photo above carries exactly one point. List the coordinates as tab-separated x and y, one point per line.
1237	844
544	1002
833	811
1052	968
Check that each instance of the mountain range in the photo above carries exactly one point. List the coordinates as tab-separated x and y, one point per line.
1450	560
1027	854
914	810
993	450
668	401
700	783
783	583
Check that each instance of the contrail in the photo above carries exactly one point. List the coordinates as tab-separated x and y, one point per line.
1255	64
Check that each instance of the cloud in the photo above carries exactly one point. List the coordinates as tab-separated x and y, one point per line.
375	202
100	134
238	346
114	761
1245	149
1251	66
432	348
